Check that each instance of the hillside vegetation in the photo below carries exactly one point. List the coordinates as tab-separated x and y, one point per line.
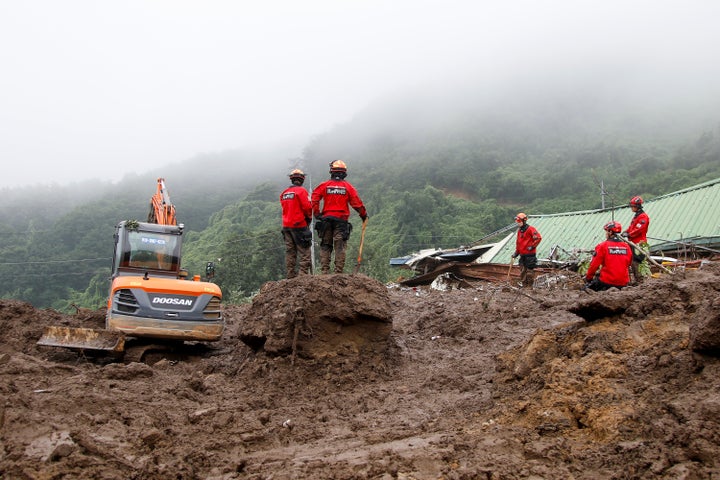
440	174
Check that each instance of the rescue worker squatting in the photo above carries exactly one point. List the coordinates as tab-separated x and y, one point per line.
336	196
613	258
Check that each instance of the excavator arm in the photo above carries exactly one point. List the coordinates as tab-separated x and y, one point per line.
162	211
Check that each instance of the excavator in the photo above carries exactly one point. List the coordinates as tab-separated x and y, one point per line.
150	294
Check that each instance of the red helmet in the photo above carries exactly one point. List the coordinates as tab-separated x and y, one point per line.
338	166
613	227
521	217
636	201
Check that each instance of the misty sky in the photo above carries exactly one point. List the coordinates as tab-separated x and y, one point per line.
98	89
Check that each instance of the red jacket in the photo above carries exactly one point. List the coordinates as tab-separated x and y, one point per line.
614	256
296	208
528	238
637	230
336	195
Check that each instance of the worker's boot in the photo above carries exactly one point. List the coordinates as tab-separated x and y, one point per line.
523	275
325	255
290	254
529	279
305	261
339	245
290	265
340	260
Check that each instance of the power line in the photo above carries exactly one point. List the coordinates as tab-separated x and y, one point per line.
48	262
57	274
26	232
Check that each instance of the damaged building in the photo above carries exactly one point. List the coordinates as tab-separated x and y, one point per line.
684	229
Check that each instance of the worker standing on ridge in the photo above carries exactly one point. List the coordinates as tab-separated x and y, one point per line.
637	233
528	238
331	221
613	257
296	218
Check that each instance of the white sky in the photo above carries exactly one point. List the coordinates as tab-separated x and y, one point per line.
98	89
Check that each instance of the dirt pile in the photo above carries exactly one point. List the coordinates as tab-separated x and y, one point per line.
319	318
483	382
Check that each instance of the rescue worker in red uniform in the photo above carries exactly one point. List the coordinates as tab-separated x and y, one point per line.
613	257
296	218
331	221
637	234
528	238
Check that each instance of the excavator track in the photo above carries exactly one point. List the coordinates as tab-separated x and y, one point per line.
139	352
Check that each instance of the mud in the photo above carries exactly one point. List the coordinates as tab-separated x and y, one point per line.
339	377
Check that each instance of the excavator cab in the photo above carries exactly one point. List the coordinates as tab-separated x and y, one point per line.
147	247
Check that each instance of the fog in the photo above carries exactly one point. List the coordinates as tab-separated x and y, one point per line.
93	89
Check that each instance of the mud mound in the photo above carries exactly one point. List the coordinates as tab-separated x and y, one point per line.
386	383
319	316
21	325
626	380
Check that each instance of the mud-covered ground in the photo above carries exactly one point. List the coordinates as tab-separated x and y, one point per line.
339	377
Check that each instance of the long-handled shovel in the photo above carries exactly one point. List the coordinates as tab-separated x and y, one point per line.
647	255
510	268
362	240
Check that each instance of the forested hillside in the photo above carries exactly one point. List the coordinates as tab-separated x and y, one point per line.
438	173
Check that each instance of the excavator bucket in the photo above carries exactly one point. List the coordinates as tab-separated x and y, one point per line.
83	339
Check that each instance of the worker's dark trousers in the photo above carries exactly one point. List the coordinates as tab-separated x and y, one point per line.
333	239
527	274
293	250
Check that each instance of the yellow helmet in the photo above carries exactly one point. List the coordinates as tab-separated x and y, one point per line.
521	217
297	177
338	166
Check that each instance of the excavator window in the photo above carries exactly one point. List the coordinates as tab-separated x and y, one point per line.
153	251
143	258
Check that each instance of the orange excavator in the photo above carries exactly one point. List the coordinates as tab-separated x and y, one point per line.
150	294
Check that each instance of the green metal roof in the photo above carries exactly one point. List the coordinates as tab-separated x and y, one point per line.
689	215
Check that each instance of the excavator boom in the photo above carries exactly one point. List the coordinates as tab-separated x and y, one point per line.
162	211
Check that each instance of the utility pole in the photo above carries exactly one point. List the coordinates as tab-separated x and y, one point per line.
602	193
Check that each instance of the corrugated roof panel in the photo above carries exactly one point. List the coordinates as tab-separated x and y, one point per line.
686	214
689	213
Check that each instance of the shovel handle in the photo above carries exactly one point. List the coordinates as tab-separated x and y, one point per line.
362	241
647	254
